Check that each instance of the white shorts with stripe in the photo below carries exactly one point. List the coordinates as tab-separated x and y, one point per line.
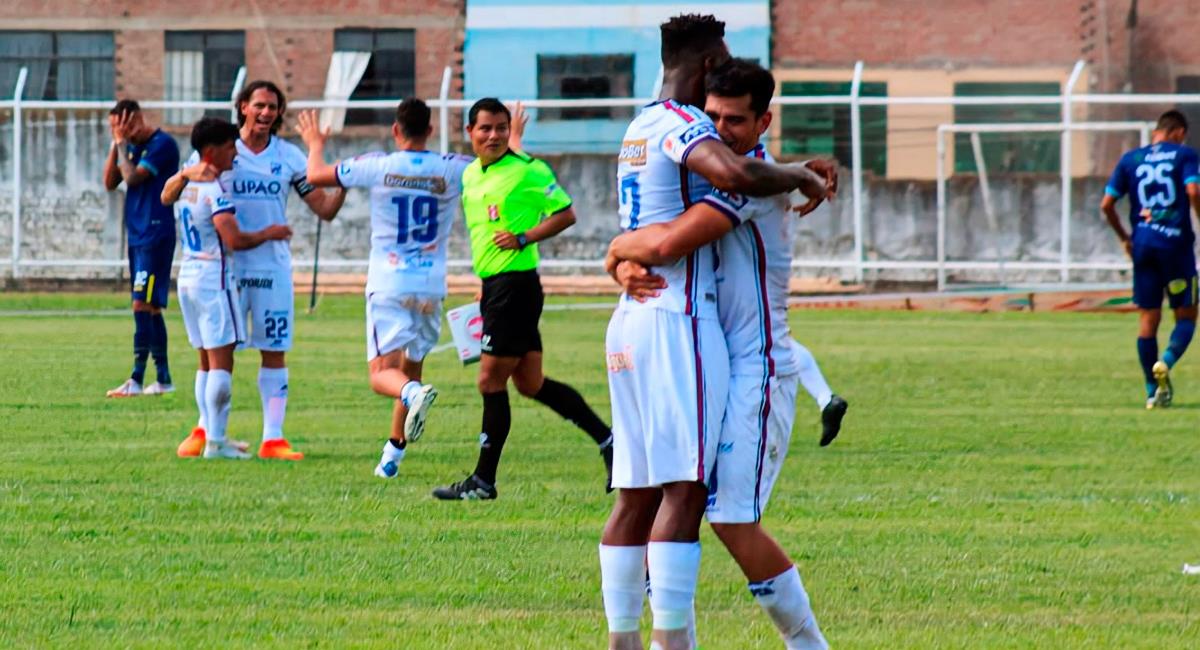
269	302
754	442
668	377
411	323
211	317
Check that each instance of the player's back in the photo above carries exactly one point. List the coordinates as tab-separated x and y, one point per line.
415	199
205	260
752	285
654	186
1156	177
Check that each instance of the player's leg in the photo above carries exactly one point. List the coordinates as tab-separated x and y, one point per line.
494	372
1148	289
623	543
393	375
142	324
564	400
684	437
218	397
191	309
272	306
754	442
1181	296
158	285
833	407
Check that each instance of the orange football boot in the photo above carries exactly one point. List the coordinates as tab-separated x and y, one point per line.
193	445
279	449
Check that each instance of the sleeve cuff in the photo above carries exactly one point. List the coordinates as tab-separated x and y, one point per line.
562	209
1191	179
729	214
1111	192
149	167
229	210
693	144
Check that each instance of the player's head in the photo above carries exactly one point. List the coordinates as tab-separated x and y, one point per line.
739	102
261	105
1172	126
488	124
692	46
215	140
131	111
412	120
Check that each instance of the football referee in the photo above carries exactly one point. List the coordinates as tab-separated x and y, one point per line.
511	202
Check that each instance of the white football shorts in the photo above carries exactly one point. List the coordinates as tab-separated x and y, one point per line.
268	300
668	377
412	323
753	445
211	317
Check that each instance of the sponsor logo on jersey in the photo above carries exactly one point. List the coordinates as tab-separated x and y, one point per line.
551	189
276	169
431	184
253	188
736	201
633	152
621	361
695	131
725	448
256	283
190	194
493	212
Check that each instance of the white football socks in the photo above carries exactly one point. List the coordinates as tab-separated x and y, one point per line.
217	396
623	583
785	601
201	382
674	570
273	389
811	377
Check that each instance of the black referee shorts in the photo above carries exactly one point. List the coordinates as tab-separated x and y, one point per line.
511	308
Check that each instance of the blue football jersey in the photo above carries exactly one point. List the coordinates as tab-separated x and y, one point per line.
1155	178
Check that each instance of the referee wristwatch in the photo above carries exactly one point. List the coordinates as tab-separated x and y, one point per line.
522	241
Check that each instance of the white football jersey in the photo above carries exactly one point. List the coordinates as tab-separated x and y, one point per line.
206	263
415	200
655	186
752	286
260	184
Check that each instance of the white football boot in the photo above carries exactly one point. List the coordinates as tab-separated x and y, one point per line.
224	449
418	409
128	389
158	389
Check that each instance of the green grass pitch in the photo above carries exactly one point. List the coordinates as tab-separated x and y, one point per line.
998	485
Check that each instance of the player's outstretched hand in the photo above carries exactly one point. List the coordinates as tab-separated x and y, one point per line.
506	240
828	169
201	172
308	124
279	231
639	283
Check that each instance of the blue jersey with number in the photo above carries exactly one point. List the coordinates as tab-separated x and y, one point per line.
147	220
1156	179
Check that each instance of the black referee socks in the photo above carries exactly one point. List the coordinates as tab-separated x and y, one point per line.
568	403
497	419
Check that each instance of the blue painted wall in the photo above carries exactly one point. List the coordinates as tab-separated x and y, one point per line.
501	61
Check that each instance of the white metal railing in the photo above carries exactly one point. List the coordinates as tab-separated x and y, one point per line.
444	104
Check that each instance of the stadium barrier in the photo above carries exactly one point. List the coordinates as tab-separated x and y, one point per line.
965	225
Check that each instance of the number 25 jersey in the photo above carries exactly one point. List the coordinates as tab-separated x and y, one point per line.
1156	178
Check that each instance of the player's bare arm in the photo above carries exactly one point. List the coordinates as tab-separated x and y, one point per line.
319	172
664	243
548	228
1108	206
227	227
122	127
326	203
732	172
112	175
201	172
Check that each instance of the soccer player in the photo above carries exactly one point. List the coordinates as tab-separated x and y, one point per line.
142	157
1163	185
667	359
265	172
511	202
415	198
766	364
207	295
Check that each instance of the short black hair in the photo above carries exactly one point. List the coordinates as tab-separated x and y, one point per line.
413	117
1171	120
690	36
489	104
211	131
244	97
740	77
125	106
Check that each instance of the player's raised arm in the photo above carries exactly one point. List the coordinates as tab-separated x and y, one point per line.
319	172
731	172
126	124
227	226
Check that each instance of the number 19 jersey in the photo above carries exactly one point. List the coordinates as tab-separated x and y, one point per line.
415	197
205	262
655	186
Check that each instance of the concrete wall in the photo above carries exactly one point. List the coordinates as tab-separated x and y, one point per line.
68	215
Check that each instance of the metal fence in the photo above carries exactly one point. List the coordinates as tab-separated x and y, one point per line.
967	221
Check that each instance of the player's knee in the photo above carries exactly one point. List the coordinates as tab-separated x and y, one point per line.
528	386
